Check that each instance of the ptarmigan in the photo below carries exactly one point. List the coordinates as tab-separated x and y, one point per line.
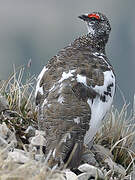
75	91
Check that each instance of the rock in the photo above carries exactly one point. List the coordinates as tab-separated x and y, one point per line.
101	153
30	132
4	131
37	132
90	171
71	176
115	167
19	156
56	176
3	143
131	176
89	158
38	141
85	176
7	136
39	157
3	103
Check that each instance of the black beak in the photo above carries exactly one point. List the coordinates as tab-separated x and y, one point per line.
83	17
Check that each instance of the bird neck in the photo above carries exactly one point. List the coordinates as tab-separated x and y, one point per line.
91	42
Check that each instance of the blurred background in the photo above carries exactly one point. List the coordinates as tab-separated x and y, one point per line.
37	30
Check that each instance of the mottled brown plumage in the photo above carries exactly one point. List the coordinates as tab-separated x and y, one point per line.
63	90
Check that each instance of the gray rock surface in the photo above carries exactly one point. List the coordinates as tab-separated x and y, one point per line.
89	157
7	137
89	171
38	142
19	156
30	132
117	168
97	162
70	175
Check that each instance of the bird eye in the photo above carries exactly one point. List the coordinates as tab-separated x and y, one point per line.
94	16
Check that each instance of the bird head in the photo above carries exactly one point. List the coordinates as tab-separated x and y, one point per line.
98	25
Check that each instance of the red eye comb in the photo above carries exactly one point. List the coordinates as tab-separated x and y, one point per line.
94	16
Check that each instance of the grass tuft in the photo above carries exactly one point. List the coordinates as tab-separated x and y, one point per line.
118	135
19	92
117	132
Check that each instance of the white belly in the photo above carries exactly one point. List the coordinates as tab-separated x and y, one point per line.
99	108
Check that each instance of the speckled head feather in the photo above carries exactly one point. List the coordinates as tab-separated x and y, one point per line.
98	25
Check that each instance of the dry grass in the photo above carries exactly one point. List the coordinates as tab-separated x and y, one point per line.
10	170
118	135
117	132
18	92
20	96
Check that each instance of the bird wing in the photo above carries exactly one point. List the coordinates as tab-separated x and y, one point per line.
87	70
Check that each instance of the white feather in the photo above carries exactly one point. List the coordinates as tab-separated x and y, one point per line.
90	29
81	79
38	88
101	56
45	102
52	88
98	107
77	120
108	79
61	99
66	75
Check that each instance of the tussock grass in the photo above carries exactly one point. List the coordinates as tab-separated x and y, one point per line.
20	96
9	170
117	132
118	135
18	92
